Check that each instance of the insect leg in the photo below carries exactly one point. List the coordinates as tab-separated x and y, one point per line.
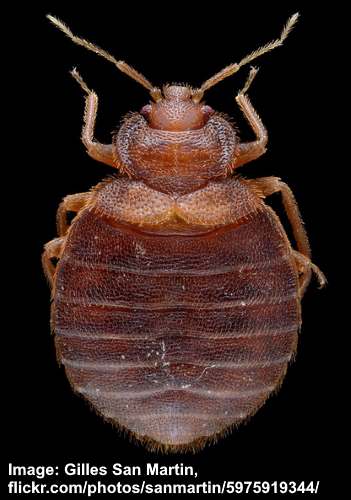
269	185
265	186
306	267
52	249
71	203
98	151
248	151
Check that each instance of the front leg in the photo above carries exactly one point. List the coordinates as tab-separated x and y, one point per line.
248	151
98	151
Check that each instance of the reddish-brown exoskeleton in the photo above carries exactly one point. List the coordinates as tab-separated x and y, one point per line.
176	297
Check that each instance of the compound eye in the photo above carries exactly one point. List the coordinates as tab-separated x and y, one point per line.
207	110
146	110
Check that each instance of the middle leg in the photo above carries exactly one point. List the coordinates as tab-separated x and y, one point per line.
266	186
71	203
305	267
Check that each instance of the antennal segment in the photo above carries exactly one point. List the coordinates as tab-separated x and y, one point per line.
121	65
233	68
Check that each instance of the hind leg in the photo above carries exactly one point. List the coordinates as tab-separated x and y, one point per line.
52	250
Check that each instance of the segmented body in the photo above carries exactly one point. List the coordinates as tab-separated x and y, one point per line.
178	330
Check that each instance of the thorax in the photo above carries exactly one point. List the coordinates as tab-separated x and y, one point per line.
219	203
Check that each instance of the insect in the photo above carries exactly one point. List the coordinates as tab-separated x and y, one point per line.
176	292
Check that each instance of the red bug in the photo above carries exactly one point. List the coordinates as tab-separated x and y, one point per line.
176	296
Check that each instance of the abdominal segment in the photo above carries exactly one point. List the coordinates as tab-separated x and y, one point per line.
175	337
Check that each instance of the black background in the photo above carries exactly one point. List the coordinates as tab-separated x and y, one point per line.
293	437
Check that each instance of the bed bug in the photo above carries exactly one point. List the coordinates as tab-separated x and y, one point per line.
176	292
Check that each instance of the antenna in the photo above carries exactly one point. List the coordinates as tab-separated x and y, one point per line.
233	68
121	65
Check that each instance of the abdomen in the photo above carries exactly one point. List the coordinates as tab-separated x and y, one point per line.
176	337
